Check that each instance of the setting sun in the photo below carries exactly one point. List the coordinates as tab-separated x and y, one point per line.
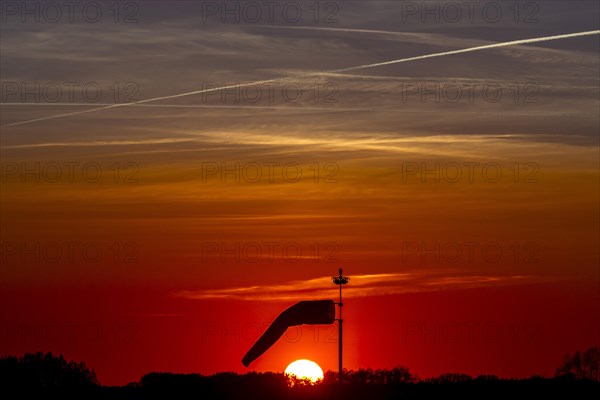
305	369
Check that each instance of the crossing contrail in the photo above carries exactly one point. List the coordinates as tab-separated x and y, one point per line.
355	68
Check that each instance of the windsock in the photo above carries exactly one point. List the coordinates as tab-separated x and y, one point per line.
313	312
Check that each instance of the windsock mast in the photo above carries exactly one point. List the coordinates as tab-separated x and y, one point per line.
340	280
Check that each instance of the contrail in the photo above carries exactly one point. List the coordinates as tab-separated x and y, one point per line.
471	49
346	30
355	68
210	106
140	102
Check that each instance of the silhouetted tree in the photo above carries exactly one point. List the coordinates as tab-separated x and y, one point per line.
487	378
48	377
368	376
400	374
591	363
451	377
45	371
581	366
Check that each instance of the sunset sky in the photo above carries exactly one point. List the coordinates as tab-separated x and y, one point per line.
459	193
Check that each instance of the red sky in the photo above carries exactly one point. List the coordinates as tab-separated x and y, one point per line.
516	332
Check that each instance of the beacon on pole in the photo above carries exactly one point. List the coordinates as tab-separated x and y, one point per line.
340	280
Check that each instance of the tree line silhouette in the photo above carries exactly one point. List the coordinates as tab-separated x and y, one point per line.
52	377
584	365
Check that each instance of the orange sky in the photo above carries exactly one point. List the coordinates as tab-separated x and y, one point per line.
429	288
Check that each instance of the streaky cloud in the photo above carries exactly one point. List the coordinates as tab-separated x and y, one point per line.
366	285
355	68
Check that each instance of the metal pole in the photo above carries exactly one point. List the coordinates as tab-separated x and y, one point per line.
340	336
340	280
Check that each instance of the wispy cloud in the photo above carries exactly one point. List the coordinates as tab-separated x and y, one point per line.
100	143
354	68
360	286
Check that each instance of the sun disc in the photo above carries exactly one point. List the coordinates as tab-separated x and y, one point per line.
305	369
